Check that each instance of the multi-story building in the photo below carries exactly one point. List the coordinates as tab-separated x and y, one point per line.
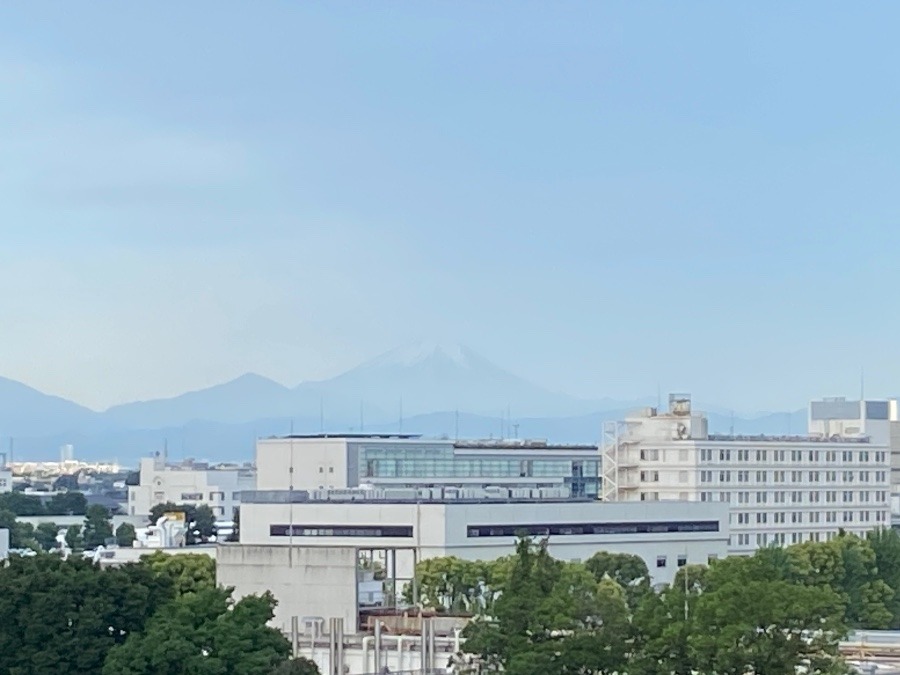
5	474
404	460
780	490
220	486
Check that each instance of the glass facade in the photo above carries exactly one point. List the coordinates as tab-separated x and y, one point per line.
424	464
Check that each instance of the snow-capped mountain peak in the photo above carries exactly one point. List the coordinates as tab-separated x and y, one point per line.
421	352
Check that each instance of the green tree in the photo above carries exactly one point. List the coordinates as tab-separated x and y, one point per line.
204	633
125	535
629	571
21	535
74	538
67	504
298	666
885	543
202	524
186	573
45	534
63	616
97	526
552	617
21	504
750	619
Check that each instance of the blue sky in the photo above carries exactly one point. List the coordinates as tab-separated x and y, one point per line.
602	197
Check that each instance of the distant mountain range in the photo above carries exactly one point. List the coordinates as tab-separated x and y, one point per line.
432	389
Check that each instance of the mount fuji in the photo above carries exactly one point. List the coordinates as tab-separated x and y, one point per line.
429	377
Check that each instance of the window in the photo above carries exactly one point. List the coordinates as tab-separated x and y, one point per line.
218	510
761	497
831	456
796	476
813	476
213	496
235	496
724	496
725	476
864	456
322	469
796	456
649	476
545	530
796	497
743	518
743	497
743	476
780	497
778	517
660	561
848	516
848	476
797	517
706	496
649	496
813	497
864	476
191	496
760	455
330	469
761	517
706	476
651	455
762	476
342	531
761	539
779	476
814	517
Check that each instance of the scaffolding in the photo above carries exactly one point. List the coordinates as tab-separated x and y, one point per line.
611	450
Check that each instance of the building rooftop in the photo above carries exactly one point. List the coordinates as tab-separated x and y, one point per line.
762	438
350	436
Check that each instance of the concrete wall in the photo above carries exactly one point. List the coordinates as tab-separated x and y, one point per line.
317	462
306	581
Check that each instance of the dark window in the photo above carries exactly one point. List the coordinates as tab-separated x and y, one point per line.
570	529
340	531
660	561
682	560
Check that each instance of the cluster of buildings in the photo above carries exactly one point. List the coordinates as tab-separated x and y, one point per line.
319	513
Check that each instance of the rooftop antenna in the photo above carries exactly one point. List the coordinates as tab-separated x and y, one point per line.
291	500
515	430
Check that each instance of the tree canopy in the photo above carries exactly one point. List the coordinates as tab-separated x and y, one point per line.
204	633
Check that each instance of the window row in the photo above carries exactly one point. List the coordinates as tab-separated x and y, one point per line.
794	456
768	477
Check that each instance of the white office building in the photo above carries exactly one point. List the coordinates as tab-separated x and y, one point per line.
780	490
220	486
5	480
283	531
404	460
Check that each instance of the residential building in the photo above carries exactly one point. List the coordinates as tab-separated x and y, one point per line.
780	490
220	486
405	460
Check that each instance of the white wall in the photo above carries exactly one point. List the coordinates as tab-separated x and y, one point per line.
219	488
4	544
316	462
305	581
5	481
441	529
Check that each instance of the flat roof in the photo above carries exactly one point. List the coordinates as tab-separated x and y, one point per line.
349	436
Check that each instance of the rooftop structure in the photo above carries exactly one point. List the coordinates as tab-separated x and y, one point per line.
405	460
780	489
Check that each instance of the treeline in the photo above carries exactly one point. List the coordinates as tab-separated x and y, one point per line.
778	611
162	615
95	530
60	504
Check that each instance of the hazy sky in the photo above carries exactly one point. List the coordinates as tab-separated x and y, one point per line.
599	196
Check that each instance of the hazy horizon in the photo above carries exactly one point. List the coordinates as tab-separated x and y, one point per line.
603	198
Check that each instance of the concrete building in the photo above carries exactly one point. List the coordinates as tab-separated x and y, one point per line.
6	481
4	544
324	533
405	460
780	490
219	486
